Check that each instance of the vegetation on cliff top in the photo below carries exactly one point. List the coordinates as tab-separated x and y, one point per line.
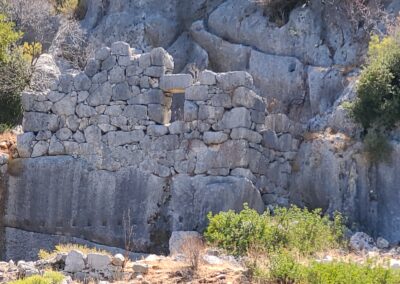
377	107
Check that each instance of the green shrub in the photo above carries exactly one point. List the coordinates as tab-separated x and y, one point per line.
293	229
284	268
308	231
377	107
14	77
4	127
378	90
49	277
235	232
8	36
345	272
14	73
376	146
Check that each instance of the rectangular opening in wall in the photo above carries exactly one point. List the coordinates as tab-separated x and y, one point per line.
178	101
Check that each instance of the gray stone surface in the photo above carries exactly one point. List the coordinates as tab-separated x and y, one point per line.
181	241
279	77
93	202
75	261
176	83
24	245
237	117
24	142
98	261
100	95
194	197
34	122
128	151
215	137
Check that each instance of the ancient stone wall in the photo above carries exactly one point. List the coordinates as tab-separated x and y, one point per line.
100	143
117	114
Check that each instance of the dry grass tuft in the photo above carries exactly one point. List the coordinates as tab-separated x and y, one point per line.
65	248
193	249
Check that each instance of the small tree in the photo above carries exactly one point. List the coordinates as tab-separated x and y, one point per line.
8	37
14	73
34	17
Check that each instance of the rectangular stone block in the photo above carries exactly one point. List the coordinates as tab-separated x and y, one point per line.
135	111
119	138
175	83
36	121
197	93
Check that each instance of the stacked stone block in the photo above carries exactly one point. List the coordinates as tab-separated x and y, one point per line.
116	113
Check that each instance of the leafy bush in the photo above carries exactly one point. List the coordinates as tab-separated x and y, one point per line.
49	277
378	91
235	232
284	268
4	127
377	107
293	229
308	231
376	146
14	74
345	272
8	36
32	51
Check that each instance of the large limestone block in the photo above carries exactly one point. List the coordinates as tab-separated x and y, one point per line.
180	241
229	81
35	121
231	154
66	106
237	117
175	83
192	198
25	145
87	203
45	74
120	48
118	138
74	261
98	261
100	95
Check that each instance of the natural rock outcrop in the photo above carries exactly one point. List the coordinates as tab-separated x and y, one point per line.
171	147
105	148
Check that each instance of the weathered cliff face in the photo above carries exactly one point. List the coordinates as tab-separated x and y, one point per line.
236	35
100	144
305	69
121	136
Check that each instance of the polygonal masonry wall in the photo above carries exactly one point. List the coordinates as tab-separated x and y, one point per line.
117	114
100	143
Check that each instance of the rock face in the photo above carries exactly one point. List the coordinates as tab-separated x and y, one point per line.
115	155
271	129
